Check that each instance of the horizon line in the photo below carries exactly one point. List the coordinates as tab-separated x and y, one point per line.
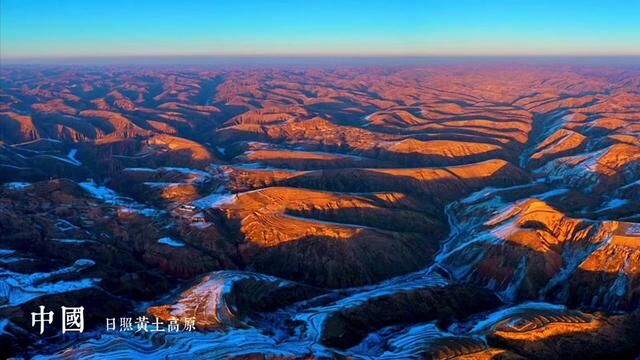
318	55
303	59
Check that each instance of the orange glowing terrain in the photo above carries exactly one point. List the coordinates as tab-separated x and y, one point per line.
443	211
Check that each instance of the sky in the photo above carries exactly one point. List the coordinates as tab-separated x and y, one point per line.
127	28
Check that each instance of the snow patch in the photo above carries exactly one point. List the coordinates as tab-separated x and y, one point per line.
214	200
72	241
551	194
138	170
72	157
170	242
500	315
17	185
110	197
6	252
20	288
614	204
102	192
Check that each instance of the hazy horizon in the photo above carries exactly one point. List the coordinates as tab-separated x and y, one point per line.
324	60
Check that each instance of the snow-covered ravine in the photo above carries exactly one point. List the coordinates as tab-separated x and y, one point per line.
192	176
72	157
111	197
544	127
16	185
17	288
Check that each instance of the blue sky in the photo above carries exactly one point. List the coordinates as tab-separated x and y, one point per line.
94	28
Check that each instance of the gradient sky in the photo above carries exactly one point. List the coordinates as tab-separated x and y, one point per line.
94	28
